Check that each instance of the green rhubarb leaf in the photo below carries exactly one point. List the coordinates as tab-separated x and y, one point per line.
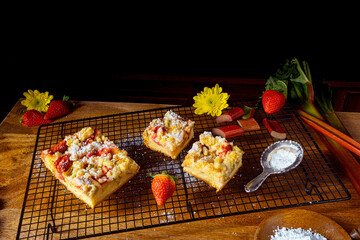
298	75
277	85
284	71
307	70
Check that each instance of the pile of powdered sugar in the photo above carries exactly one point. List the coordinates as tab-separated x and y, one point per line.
282	158
296	234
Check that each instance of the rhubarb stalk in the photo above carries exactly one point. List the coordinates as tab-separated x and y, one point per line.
329	128
333	136
323	102
229	131
349	164
274	129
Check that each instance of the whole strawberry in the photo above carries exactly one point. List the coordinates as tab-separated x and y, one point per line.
163	187
58	108
272	101
33	118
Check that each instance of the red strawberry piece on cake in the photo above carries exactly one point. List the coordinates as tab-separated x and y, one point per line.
60	147
33	118
272	101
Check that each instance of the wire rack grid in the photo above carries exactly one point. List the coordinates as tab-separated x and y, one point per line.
51	212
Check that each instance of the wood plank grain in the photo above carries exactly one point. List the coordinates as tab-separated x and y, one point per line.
352	122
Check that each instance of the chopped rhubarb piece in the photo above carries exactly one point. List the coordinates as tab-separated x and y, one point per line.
230	116
274	129
249	124
228	131
249	112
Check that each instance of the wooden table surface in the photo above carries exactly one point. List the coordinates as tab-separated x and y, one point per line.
17	145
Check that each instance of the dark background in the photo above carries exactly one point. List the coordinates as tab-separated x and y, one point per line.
83	65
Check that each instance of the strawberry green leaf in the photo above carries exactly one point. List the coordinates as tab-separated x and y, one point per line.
65	98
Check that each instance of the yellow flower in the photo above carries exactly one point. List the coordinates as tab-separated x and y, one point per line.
211	101
37	100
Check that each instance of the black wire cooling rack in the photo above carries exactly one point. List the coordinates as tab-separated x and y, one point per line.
50	211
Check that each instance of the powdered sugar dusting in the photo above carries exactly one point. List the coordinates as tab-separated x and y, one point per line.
296	234
282	158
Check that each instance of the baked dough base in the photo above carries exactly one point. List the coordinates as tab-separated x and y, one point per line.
211	181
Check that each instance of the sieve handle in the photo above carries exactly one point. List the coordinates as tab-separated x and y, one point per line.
254	184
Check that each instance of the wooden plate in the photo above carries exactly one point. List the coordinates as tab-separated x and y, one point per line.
299	218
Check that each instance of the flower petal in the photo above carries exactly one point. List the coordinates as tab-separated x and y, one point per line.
217	89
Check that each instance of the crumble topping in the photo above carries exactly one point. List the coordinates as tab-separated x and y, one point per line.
95	160
214	156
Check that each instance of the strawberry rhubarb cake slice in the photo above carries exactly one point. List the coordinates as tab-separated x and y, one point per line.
213	160
90	165
169	135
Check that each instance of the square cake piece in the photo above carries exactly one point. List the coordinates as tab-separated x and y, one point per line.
213	160
90	165
169	135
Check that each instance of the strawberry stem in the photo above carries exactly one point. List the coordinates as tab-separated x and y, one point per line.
65	98
21	115
164	174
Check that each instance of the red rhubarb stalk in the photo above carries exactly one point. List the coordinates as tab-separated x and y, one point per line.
274	129
231	115
348	162
228	131
249	124
333	136
329	128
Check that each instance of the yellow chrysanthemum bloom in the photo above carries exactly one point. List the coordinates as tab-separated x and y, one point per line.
211	101
37	100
